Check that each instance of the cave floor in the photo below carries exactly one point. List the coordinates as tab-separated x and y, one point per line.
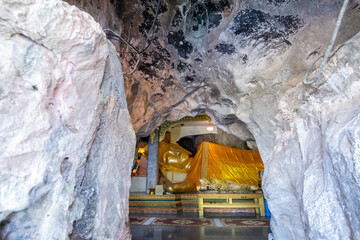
155	232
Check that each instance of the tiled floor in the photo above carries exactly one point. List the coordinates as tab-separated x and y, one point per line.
140	232
193	233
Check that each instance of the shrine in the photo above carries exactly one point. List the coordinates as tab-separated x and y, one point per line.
214	177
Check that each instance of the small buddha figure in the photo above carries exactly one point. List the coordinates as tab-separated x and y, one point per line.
174	163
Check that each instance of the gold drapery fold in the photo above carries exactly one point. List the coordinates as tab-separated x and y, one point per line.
227	163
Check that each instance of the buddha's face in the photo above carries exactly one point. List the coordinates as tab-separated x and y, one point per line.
181	156
175	158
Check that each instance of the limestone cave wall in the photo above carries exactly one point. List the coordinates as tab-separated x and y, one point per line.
309	175
66	137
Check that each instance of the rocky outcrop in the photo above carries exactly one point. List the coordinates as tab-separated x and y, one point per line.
66	137
103	192
312	178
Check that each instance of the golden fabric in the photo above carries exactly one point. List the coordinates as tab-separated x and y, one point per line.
226	163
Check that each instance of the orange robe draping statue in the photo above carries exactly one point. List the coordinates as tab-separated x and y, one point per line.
174	163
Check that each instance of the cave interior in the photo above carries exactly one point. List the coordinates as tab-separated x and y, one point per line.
86	84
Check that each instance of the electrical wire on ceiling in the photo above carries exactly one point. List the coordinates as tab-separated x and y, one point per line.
110	34
327	53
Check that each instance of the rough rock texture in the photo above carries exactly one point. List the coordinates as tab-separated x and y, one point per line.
243	62
66	137
103	192
103	12
321	141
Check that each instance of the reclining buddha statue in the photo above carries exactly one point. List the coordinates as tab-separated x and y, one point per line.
174	164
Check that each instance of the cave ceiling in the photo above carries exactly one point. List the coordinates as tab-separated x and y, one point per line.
233	59
227	57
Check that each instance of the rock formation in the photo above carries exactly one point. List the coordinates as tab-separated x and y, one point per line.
66	137
316	190
243	62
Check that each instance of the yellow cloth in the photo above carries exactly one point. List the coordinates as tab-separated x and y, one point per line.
226	163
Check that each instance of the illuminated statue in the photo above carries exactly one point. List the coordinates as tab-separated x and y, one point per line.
174	163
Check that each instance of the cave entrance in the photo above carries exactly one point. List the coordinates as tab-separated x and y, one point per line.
182	161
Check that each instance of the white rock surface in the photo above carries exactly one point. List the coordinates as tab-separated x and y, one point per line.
56	133
314	172
103	192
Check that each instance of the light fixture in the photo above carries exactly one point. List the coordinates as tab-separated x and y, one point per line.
210	128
